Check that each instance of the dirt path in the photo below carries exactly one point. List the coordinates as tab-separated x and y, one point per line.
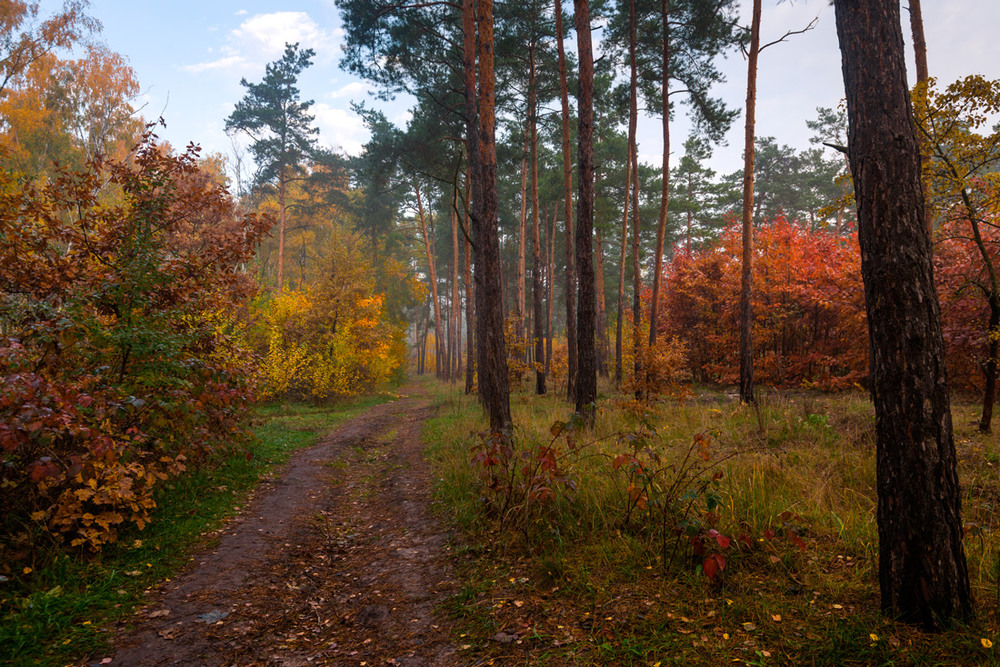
336	561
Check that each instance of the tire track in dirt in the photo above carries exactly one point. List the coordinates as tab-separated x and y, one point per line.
335	561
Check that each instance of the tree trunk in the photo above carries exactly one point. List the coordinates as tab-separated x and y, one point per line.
661	225
456	310
522	240
619	319
550	270
923	77
603	345
919	43
586	368
633	115
571	354
438	371
536	251
489	294
922	569
746	284
990	367
282	217
470	347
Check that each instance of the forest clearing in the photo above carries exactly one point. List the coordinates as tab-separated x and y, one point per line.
490	387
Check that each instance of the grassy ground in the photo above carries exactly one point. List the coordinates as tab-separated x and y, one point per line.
592	547
64	609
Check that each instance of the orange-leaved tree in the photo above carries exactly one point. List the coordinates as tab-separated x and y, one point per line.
809	326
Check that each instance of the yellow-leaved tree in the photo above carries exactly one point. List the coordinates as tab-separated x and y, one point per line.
336	337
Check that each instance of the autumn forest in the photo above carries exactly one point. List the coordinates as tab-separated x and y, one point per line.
657	413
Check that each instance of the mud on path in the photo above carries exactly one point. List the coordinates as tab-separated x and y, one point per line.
336	560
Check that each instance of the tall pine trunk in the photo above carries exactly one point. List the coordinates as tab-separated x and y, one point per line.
661	225
474	173
551	290
633	115
601	322
923	575
571	353
536	251
282	217
619	319
470	347
456	305
489	292
586	369
746	277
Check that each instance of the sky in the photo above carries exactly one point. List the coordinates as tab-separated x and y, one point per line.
189	57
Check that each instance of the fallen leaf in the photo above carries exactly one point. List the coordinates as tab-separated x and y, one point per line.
776	618
749	627
159	614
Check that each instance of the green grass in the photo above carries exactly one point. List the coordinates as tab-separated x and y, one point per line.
597	588
64	610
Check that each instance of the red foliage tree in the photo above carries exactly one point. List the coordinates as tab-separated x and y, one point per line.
810	318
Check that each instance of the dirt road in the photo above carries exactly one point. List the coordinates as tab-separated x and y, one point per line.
335	561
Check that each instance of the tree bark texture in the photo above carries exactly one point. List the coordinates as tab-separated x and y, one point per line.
586	368
922	569
571	354
746	278
661	225
489	292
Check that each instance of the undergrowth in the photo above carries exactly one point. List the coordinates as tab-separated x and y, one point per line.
699	531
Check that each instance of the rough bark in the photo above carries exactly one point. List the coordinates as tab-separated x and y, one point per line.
586	368
661	225
923	575
923	76
571	353
489	293
746	278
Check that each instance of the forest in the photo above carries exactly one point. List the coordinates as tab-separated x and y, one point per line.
665	414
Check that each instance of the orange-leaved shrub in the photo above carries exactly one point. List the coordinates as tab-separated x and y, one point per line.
111	369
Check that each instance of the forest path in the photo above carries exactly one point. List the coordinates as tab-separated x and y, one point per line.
335	560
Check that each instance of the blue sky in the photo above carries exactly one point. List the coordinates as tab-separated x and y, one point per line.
189	57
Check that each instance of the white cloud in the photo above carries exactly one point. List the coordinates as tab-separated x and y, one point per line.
262	38
226	62
241	12
353	89
267	34
340	128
